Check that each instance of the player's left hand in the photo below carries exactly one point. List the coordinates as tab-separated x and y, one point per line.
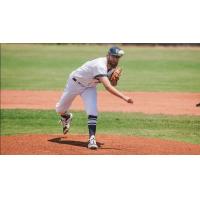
114	78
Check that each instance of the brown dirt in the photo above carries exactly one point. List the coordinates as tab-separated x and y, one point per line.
109	144
145	102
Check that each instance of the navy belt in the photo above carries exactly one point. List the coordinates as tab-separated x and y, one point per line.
74	79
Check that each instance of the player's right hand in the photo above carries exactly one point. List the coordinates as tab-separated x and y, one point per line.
129	100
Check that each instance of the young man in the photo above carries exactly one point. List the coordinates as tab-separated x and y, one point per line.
83	82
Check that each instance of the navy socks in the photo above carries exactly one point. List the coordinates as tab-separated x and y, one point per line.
92	122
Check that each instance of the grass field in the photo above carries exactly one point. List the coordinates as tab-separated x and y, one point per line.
180	128
46	67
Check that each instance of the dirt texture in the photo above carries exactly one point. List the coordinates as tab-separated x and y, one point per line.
77	145
145	102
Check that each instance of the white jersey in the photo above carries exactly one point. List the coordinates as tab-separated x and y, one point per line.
89	72
87	78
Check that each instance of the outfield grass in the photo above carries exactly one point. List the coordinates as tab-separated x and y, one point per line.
180	128
46	67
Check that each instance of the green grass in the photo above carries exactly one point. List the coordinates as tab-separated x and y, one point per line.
46	67
180	128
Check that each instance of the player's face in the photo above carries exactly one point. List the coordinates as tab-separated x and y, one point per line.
113	60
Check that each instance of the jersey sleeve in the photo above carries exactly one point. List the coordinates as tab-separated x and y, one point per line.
99	70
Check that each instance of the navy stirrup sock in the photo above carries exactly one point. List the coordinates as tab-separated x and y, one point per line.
92	122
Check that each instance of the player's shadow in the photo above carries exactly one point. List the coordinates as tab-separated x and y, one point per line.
72	142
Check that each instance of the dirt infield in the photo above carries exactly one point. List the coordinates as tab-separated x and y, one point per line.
149	103
145	102
109	144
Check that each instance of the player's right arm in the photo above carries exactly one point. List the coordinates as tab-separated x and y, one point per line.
105	81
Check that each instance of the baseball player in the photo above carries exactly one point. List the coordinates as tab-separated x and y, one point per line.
83	82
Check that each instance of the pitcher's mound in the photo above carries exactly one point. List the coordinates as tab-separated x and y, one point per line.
77	145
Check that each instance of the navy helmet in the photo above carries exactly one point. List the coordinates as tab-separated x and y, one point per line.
116	51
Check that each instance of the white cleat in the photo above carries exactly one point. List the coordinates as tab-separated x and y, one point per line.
92	143
66	122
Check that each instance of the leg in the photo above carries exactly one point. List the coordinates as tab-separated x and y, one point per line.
92	120
89	97
69	94
62	107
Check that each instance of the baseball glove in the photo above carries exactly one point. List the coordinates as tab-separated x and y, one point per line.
114	77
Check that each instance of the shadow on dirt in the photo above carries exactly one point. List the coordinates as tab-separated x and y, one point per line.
72	142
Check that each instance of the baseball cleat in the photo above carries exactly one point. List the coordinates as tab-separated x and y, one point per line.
92	143
66	122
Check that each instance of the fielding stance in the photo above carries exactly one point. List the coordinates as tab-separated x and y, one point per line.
83	82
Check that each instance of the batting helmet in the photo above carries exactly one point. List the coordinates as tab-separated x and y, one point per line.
116	51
